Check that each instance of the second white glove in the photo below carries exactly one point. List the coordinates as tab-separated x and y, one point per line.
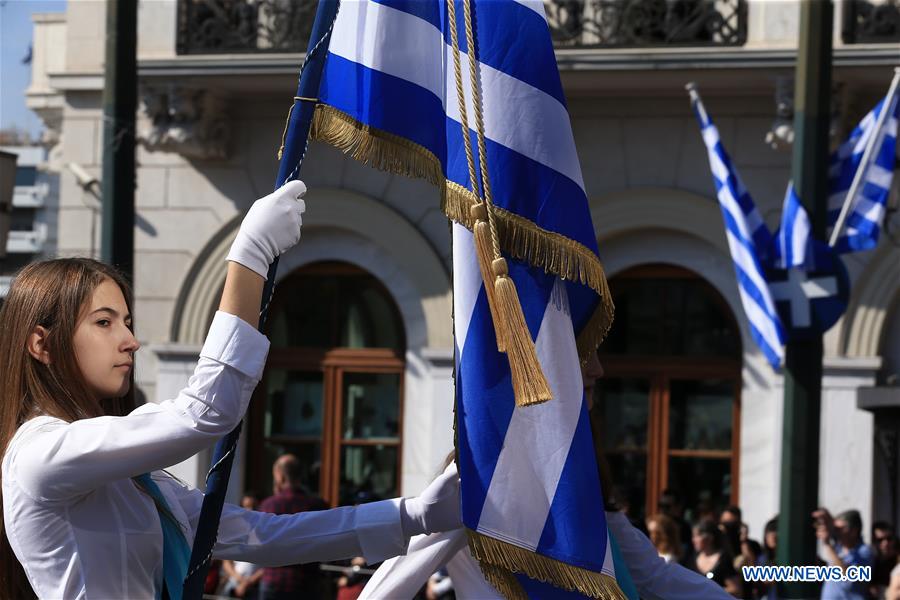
271	227
436	509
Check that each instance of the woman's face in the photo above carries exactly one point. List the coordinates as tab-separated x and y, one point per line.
104	343
699	540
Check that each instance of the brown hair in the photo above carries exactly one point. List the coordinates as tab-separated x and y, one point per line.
51	294
671	540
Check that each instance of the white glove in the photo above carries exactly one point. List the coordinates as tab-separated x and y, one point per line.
436	509
272	225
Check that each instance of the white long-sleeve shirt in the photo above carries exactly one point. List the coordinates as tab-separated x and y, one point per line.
82	529
654	579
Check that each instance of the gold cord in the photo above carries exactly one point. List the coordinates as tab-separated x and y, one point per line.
287	122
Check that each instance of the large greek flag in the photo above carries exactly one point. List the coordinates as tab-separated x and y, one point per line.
866	209
749	241
531	496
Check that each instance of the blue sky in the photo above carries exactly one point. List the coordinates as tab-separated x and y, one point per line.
15	38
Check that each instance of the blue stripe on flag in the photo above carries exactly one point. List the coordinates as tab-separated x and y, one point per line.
538	590
538	193
577	493
498	44
749	242
386	102
484	388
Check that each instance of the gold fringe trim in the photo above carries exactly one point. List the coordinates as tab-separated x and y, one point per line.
496	556
519	237
374	147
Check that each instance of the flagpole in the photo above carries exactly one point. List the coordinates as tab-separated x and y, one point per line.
803	357
294	145
867	155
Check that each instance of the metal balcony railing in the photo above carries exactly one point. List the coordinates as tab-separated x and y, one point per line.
647	23
252	26
871	22
244	26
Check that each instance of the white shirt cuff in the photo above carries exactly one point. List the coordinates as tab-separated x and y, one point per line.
379	531
234	342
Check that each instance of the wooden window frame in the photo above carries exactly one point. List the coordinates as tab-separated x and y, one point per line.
333	364
659	372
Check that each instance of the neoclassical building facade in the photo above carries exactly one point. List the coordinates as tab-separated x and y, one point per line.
359	381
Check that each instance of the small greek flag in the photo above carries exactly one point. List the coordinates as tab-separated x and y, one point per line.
396	89
749	240
867	207
865	211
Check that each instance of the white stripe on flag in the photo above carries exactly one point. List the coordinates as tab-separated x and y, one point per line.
516	115
467	282
756	313
537	441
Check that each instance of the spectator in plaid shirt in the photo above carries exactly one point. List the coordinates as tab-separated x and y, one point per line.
294	581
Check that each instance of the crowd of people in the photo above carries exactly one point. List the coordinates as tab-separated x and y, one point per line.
719	545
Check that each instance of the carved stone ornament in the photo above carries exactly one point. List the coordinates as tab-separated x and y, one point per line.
187	121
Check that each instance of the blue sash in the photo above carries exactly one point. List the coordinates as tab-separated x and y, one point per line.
176	551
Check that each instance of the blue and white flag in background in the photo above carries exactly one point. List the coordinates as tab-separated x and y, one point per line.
868	206
749	241
866	210
531	494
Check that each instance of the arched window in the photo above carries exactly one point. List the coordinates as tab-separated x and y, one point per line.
668	407
333	386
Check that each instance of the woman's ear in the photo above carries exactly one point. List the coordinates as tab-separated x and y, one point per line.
37	344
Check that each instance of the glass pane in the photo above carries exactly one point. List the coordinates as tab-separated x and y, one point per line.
636	328
371	406
293	403
367	473
622	412
704	483
670	316
629	472
697	321
307	318
700	414
309	454
347	309
620	416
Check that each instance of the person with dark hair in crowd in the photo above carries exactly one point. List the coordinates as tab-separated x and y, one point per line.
887	552
766	589
671	505
745	552
713	558
281	583
842	546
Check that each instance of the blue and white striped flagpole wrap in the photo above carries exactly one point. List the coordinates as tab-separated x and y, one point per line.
529	475
749	241
867	208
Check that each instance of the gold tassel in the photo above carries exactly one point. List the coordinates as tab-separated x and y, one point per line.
528	381
485	254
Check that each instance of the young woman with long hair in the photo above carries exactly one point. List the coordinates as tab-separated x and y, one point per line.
88	511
